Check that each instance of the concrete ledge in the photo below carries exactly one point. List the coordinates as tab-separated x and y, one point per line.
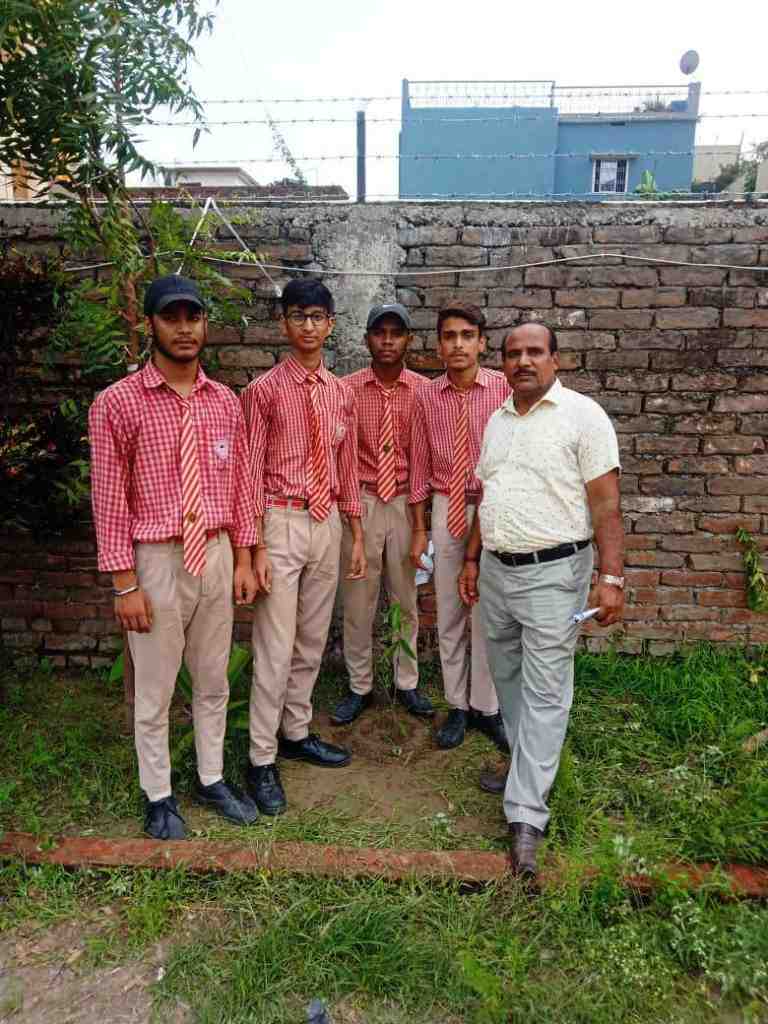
471	866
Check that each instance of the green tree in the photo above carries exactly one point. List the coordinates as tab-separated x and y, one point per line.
78	79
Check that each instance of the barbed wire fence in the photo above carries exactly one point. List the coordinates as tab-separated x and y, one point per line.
324	136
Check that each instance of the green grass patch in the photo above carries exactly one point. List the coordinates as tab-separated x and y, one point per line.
259	948
654	767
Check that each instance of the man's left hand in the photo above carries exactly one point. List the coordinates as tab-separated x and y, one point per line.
610	600
244	585
358	567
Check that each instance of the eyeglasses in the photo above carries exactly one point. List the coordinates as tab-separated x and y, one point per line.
316	319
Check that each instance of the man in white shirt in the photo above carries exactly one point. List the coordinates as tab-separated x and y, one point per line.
550	473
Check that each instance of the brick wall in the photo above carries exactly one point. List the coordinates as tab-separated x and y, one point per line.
677	356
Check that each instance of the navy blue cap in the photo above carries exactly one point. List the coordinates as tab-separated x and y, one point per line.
171	288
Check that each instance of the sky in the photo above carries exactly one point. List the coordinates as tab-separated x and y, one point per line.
345	48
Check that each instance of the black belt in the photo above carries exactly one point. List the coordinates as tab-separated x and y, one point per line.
547	555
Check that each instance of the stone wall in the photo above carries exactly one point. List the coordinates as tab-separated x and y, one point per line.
678	356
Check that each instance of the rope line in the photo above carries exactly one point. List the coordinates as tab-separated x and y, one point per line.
423	272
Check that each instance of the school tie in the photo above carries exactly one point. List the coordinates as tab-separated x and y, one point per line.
457	513
386	478
192	525
319	481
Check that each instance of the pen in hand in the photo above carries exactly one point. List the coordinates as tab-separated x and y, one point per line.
588	613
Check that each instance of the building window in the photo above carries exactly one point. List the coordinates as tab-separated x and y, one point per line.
610	176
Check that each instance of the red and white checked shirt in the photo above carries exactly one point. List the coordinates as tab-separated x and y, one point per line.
369	402
434	426
135	430
276	411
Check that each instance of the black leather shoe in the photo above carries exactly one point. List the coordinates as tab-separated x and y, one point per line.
493	782
163	821
526	840
453	730
351	707
315	751
264	785
415	703
228	801
492	726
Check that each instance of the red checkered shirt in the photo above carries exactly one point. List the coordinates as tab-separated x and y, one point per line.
369	401
434	425
276	410
135	428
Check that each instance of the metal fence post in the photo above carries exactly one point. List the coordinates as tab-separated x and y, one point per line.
361	156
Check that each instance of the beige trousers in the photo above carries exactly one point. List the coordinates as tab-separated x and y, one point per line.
463	689
290	625
387	531
191	621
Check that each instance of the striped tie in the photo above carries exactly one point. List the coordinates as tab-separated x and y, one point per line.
317	471
192	526
457	513
386	478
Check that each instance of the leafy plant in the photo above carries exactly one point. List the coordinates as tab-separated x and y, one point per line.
44	470
757	584
393	645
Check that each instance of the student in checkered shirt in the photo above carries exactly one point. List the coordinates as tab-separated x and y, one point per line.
172	505
303	441
385	394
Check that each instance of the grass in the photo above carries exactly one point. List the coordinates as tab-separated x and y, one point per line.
259	948
653	769
653	763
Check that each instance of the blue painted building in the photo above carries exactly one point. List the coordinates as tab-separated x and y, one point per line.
507	139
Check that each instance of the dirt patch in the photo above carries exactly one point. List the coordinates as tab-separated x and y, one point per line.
383	734
43	980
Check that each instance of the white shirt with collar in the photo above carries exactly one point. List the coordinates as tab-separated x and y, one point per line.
534	468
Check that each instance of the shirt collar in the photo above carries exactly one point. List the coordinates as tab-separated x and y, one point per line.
299	374
482	378
152	378
369	377
553	396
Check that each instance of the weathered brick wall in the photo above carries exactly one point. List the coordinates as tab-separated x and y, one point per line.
678	356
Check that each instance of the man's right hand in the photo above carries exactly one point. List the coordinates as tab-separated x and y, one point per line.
468	583
419	545
262	570
134	612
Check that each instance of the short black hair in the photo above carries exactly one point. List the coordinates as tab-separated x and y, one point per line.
552	337
464	310
303	292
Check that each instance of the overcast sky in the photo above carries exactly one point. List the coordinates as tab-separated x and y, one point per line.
308	50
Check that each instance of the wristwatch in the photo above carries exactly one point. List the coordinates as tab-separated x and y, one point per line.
613	581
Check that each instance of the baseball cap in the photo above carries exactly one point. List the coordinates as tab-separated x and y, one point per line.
388	309
171	288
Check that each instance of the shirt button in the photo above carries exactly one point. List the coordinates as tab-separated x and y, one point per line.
192	517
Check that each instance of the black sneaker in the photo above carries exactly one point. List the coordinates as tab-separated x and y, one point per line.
315	751
492	726
415	703
163	821
351	707
453	730
228	801
264	785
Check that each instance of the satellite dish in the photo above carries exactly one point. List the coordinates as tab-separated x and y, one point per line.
689	62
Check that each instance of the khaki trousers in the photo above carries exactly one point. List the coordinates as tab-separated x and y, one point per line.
290	625
531	643
191	621
463	689
387	531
